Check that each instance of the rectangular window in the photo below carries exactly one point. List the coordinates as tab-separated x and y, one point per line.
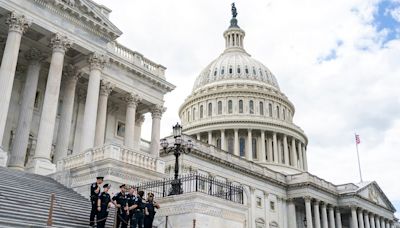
272	205
120	129
259	202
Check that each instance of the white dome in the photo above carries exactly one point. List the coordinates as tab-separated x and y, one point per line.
235	65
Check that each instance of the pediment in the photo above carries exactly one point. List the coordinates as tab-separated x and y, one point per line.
374	193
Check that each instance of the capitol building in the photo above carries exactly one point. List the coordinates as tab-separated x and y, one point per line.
73	102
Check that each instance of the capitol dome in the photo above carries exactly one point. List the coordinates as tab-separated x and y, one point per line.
237	106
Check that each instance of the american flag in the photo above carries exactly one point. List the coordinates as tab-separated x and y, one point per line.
358	141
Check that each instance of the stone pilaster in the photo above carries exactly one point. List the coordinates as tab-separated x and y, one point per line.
156	113
132	101
291	213
249	152
275	147
236	141
105	90
20	143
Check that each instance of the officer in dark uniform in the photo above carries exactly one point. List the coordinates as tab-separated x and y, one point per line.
131	204
138	211
103	203
120	202
94	193
149	210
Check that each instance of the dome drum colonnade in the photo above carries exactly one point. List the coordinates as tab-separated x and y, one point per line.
236	105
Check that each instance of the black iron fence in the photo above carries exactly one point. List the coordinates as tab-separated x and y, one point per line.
195	183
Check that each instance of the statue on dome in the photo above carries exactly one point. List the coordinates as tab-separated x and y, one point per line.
234	11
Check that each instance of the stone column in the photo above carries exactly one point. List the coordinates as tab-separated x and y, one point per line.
291	213
96	65
105	90
301	164
331	216
132	101
198	136
360	219
249	153
305	158
156	113
41	161
275	147
371	220
269	150
262	152
71	77
285	150
354	222
17	25
338	218
236	146
383	223
377	222
223	143
20	143
307	201
294	153
324	215
210	138
138	130
366	220
317	218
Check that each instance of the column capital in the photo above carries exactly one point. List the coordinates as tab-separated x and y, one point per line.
60	43
17	23
307	199
337	209
139	119
97	61
106	87
317	201
71	73
157	111
290	200
132	99
34	55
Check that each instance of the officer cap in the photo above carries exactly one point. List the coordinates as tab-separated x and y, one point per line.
122	186
107	186
150	194
99	178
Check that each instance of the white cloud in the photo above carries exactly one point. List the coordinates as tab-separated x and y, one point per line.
357	90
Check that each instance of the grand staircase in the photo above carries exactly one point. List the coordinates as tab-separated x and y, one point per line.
25	202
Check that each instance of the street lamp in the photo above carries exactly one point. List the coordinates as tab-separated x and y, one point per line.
179	147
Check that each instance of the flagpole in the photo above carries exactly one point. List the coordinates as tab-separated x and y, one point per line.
358	158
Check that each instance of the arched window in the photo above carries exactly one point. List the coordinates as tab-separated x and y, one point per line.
254	71
188	116
246	70
230	145
261	108
230	107
194	114
215	72
277	112
230	70
251	107
261	73
238	69
201	111
209	109
240	106
242	146
219	143
219	107
270	110
254	147
222	70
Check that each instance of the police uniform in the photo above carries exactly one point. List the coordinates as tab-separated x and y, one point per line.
148	219
93	200
131	199
138	213
122	217
105	199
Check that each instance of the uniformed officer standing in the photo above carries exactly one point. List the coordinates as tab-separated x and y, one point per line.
103	203
120	202
94	193
150	211
131	204
138	211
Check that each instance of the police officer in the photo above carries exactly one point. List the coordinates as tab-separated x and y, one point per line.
120	202
131	204
138	211
150	211
94	193
103	203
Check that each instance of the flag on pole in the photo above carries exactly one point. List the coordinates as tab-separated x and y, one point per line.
358	141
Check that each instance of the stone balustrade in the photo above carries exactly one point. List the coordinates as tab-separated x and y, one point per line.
113	152
307	177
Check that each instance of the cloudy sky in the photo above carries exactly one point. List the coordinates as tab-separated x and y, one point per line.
337	61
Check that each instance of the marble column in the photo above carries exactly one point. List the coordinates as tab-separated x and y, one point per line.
101	121
17	25
71	77
301	163
338	218
317	218
20	143
269	150
354	222
383	223
210	138
307	201
262	152
236	146
324	215
377	222
138	130
360	219
249	152
366	220
156	113
294	153
132	101
285	150
275	148
96	65
371	220
223	142
291	213
305	158
331	216
41	161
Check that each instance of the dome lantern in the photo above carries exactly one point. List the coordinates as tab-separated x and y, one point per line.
234	35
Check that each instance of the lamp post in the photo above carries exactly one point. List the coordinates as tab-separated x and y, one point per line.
179	147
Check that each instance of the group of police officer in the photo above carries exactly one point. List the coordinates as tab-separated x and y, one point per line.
132	209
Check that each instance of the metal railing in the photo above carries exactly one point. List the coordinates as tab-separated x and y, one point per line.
195	183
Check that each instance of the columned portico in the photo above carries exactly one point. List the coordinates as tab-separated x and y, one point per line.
307	201
317	218
324	215
371	220
41	162
105	91
331	215
338	218
377	222
156	114
354	221
132	100
360	219
18	153
96	64
138	130
291	213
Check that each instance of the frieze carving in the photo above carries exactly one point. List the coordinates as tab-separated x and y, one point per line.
17	23
132	99
106	88
97	61
157	111
59	42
